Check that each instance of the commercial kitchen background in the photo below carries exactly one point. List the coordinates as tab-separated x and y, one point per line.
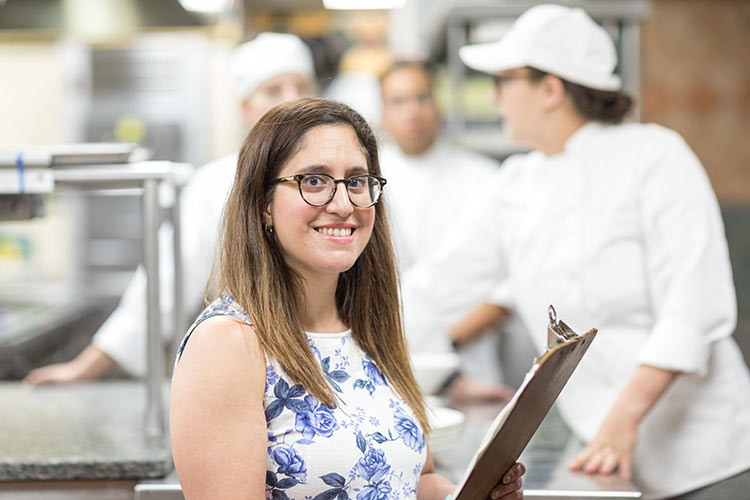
154	73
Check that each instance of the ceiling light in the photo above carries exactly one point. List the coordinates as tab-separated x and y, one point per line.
363	4
206	6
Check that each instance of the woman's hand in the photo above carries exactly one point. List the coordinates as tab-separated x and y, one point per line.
510	486
611	449
90	364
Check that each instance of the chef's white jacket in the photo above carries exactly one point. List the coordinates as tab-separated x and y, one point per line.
426	195
621	232
123	334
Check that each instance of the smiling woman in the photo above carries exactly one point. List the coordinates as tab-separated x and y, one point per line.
295	381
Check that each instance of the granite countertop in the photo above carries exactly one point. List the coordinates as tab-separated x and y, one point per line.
78	431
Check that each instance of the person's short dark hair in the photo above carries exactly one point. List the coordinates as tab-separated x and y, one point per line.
417	64
599	105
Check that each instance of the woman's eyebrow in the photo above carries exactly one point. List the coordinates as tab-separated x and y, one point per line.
324	169
314	168
357	171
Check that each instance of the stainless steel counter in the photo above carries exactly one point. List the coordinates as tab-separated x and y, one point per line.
546	459
44	322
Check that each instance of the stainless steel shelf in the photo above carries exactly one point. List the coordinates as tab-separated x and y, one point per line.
147	177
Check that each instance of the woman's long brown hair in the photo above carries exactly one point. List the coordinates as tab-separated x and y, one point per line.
251	266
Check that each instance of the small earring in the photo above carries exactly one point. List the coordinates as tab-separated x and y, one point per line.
269	229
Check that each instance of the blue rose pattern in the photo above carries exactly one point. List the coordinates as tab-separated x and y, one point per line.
379	491
372	371
290	463
373	466
409	431
317	419
298	422
374	377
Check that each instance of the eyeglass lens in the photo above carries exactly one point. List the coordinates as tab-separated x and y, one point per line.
318	189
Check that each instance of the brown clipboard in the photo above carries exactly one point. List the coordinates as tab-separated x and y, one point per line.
514	426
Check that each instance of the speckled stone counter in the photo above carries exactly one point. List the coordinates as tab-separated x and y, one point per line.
79	431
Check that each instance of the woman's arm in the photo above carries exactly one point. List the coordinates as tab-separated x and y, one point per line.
217	422
90	364
433	486
613	446
476	322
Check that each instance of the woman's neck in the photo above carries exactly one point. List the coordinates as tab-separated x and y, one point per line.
558	132
319	311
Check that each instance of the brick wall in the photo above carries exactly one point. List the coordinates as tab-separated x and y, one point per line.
696	80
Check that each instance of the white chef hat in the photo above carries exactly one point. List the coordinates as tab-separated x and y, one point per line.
269	55
559	40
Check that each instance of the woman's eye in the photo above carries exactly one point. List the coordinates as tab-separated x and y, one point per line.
313	181
272	91
356	183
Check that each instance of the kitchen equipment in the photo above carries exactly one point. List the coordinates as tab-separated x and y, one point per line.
432	369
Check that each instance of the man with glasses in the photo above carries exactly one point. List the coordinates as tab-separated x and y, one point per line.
271	69
429	182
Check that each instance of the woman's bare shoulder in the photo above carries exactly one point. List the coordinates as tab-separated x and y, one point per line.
222	347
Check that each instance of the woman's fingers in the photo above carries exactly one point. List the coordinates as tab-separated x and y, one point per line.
593	463
581	459
602	461
507	491
624	466
510	486
610	463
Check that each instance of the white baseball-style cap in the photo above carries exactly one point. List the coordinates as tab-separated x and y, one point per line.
559	40
269	55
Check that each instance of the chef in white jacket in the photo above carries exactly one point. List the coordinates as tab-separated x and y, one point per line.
617	226
270	69
429	180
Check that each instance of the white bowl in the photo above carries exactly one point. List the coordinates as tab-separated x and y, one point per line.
432	369
447	425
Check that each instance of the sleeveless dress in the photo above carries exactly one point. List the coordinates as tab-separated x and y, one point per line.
369	447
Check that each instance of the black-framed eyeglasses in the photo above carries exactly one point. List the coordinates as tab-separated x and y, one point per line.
319	189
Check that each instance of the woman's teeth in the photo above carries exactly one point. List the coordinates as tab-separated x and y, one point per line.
347	231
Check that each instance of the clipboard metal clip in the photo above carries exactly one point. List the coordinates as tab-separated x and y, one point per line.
557	331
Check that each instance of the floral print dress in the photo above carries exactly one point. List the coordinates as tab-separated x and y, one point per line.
369	447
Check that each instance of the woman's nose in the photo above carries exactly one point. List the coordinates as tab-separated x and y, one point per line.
340	203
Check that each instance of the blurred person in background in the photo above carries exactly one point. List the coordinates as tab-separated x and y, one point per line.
287	385
361	65
430	181
617	226
270	69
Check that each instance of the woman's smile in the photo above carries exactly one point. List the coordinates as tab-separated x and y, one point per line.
342	232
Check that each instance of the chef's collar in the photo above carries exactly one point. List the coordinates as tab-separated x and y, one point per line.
580	137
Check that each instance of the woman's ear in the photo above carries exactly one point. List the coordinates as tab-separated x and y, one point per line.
553	91
267	216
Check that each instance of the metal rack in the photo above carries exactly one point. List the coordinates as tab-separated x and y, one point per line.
147	177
